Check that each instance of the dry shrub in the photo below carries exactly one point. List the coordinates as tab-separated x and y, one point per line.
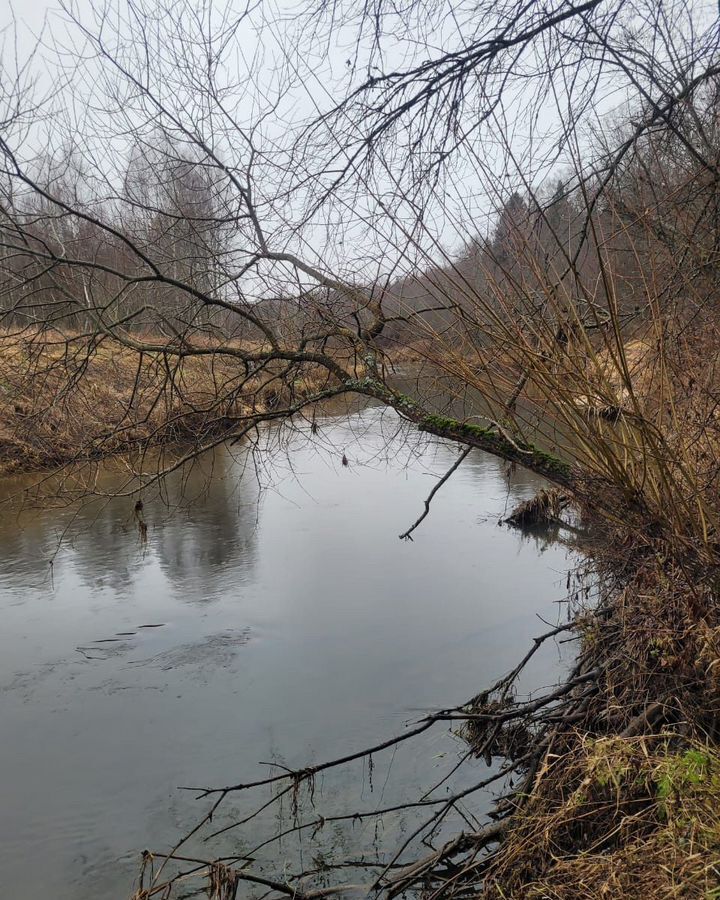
545	508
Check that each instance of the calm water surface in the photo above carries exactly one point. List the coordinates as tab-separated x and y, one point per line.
292	625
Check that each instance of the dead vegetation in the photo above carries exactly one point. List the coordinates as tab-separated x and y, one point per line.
623	798
637	817
66	397
545	508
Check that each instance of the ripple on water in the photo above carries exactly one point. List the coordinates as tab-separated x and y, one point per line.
214	650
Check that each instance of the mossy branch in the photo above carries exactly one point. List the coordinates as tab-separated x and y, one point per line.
527	455
490	439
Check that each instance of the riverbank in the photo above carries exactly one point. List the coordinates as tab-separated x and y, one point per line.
622	786
67	398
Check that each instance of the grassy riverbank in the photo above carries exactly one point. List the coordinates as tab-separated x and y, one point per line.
66	398
620	790
623	793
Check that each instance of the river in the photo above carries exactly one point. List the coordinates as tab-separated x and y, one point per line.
263	619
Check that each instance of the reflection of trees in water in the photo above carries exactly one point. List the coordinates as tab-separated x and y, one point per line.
25	552
493	476
104	548
201	521
202	518
209	523
38	545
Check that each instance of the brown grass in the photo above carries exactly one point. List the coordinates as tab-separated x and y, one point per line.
64	398
639	820
626	800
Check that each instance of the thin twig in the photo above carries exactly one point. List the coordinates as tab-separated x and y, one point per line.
407	535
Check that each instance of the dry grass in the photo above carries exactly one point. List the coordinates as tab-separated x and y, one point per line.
64	398
641	820
626	799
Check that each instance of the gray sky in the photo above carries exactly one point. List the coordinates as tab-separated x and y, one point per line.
524	138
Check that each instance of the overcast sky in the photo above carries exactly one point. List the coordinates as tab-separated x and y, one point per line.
313	79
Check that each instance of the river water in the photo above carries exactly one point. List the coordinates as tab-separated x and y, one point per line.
270	618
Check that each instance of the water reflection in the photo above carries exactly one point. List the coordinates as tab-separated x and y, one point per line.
212	528
287	623
201	521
